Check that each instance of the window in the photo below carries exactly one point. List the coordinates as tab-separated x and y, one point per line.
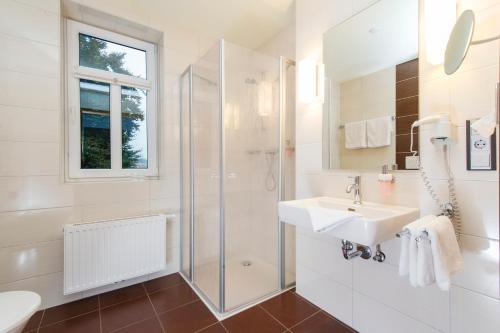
111	94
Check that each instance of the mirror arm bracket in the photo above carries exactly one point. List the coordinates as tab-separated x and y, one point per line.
486	40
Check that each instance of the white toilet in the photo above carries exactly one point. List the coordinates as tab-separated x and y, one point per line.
16	308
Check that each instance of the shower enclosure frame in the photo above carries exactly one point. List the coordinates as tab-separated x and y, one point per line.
189	276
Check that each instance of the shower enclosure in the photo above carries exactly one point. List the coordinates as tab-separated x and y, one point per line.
234	250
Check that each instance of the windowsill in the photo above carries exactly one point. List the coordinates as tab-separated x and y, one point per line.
109	179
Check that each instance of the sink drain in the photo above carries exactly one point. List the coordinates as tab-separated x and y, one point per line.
246	263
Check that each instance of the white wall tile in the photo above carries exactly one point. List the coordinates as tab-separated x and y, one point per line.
111	192
322	254
23	193
478	203
27	56
371	316
334	298
359	5
26	90
472	312
473	100
481	263
30	260
48	5
31	125
29	159
49	287
109	211
383	283
24	227
18	19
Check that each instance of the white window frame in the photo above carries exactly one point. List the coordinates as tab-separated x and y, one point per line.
75	72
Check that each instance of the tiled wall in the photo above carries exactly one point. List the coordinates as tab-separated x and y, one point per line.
371	296
406	109
35	202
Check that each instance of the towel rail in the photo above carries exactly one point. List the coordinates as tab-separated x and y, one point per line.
343	126
406	232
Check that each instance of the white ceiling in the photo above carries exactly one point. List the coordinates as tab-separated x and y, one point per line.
248	23
379	37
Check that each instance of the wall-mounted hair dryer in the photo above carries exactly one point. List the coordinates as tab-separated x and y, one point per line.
441	132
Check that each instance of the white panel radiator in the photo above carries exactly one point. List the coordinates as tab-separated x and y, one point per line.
101	253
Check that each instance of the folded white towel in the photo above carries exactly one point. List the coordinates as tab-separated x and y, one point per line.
408	256
355	135
425	262
326	219
445	250
379	132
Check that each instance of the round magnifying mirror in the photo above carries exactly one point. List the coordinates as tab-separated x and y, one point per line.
459	42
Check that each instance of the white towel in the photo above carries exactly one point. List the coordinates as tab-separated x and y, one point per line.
355	135
425	262
408	256
445	250
326	219
379	132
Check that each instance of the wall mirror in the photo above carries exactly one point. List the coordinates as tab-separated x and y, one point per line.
371	87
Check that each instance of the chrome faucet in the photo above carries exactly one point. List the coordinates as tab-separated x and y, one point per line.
356	186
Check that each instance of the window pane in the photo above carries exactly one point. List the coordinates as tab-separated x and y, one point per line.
101	54
134	129
95	125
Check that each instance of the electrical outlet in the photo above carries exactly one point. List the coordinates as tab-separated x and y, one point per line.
480	150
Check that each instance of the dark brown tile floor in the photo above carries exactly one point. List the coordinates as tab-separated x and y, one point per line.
168	304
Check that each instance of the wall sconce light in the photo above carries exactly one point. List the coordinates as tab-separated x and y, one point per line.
439	18
311	79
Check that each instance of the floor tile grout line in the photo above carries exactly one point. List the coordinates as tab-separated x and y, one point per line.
223	326
204	328
131	324
154	309
260	306
69	318
121	302
303	320
162	289
305	299
40	323
180	306
339	321
99	308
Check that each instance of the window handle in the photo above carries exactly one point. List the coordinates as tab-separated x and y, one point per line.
72	114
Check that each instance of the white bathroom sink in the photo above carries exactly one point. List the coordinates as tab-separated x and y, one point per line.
377	223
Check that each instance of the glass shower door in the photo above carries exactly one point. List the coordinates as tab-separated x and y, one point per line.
206	159
251	184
